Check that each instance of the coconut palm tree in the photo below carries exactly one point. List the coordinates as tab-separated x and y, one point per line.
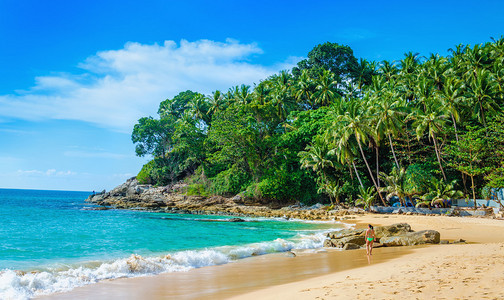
433	119
389	115
326	89
395	184
304	89
481	91
452	95
355	123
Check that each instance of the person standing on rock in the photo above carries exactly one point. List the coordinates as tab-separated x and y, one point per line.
370	237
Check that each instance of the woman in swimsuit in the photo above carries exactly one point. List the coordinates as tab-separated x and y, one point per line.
370	237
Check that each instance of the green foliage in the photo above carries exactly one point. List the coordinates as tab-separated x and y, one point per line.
328	129
366	197
196	190
230	182
156	172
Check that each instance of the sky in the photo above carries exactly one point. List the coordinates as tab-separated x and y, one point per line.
75	76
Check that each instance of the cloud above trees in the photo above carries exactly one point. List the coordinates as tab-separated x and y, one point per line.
117	87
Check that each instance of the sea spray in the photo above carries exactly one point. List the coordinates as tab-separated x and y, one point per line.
20	285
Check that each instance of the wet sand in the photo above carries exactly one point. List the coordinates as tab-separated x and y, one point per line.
390	273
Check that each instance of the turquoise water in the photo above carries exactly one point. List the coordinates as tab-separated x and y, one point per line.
68	244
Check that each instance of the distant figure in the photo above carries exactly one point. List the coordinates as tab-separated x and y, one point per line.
370	237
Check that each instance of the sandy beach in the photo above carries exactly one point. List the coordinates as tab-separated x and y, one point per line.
453	271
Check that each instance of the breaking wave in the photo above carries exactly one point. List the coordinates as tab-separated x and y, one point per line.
25	285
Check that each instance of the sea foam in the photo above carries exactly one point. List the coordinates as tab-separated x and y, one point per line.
20	285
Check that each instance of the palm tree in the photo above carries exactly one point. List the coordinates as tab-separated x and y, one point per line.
216	102
388	70
366	197
481	90
433	120
325	86
452	96
316	158
441	191
395	184
333	190
304	89
198	108
389	116
355	123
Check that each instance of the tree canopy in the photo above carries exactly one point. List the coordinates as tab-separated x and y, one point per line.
338	128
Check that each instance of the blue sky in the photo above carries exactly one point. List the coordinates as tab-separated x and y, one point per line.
75	76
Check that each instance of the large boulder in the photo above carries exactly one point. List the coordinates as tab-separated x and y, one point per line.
341	242
345	232
412	238
392	230
399	234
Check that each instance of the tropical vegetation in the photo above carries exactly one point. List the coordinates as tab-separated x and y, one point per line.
337	128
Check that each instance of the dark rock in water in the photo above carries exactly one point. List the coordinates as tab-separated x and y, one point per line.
236	220
351	246
412	238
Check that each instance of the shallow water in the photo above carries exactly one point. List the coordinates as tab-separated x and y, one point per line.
55	234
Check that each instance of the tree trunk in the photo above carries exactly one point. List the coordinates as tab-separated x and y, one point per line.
357	173
393	152
438	157
371	173
474	194
377	167
455	127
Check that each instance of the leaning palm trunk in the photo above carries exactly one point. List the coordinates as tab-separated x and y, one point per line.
438	157
357	173
393	152
371	173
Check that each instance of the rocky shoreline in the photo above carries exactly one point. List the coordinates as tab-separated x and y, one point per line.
171	199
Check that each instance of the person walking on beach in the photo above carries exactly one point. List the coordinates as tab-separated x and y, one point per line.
370	237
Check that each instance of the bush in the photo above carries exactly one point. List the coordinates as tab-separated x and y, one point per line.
230	182
156	172
196	190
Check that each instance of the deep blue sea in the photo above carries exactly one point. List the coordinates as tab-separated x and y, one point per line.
52	241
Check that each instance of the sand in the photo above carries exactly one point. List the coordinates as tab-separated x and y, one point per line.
455	271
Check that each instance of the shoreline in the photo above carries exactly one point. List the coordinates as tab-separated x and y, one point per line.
259	274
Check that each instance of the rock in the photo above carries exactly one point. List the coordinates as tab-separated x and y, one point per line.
236	220
345	232
316	206
391	230
459	241
412	238
444	242
351	246
341	242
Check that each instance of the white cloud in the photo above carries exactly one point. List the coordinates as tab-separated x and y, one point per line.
86	154
49	173
120	86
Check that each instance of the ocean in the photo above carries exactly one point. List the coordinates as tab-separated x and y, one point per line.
53	241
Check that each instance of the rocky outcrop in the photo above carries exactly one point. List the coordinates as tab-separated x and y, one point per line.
393	235
132	195
412	238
